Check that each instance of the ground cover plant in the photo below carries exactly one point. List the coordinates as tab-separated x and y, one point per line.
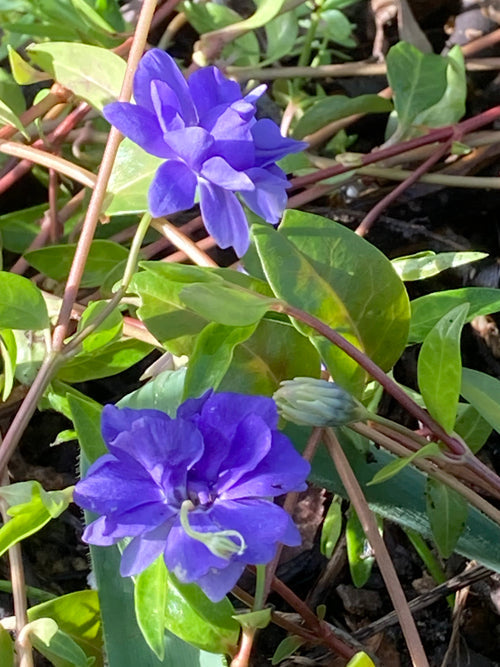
250	387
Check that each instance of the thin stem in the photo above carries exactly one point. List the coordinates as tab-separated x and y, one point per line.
183	242
18	587
434	136
386	201
97	199
446	180
384	561
429	560
260	585
56	95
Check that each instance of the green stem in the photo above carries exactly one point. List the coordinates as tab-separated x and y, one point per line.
430	561
260	586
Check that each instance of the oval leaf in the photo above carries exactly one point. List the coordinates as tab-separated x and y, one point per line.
21	304
440	367
310	263
483	392
447	512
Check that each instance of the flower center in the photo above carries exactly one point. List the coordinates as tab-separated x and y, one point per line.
221	543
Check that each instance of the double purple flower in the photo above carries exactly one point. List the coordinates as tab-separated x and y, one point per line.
211	142
196	488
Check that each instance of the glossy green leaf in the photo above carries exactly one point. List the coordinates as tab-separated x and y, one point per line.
447	512
417	80
86	416
11	93
335	107
391	469
275	351
8	352
359	552
8	117
190	615
6	649
105	362
332	528
310	263
440	367
31	348
21	303
78	616
133	171
225	305
471	426
428	263
55	645
107	332
451	107
55	261
95	74
212	356
266	11
483	392
19	228
28	517
427	310
164	392
150	595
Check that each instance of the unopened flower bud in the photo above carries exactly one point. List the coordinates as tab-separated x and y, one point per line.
312	402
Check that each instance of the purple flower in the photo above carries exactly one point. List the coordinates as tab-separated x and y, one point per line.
196	488
208	135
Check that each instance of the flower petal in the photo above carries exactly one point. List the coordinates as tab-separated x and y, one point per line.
224	217
281	471
217	583
192	144
233	138
188	558
218	171
270	145
142	551
261	523
139	125
210	88
269	198
156	64
173	189
167	111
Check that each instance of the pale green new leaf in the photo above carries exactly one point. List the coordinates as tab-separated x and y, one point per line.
428	263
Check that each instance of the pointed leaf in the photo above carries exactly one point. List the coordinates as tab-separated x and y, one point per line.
483	392
447	512
22	305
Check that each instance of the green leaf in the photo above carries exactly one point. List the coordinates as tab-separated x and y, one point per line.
428	263
226	305
21	303
107	332
55	261
31	348
212	356
483	392
107	361
336	107
359	553
287	648
95	74
28	517
391	469
276	351
447	512
6	648
266	11
78	616
440	367
470	426
190	615
8	117
8	352
310	263
86	416
19	228
55	645
427	310
133	171
417	80
451	107
164	392
361	659
332	528
11	93
281	33
150	595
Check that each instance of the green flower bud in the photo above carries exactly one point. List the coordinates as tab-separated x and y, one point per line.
312	402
